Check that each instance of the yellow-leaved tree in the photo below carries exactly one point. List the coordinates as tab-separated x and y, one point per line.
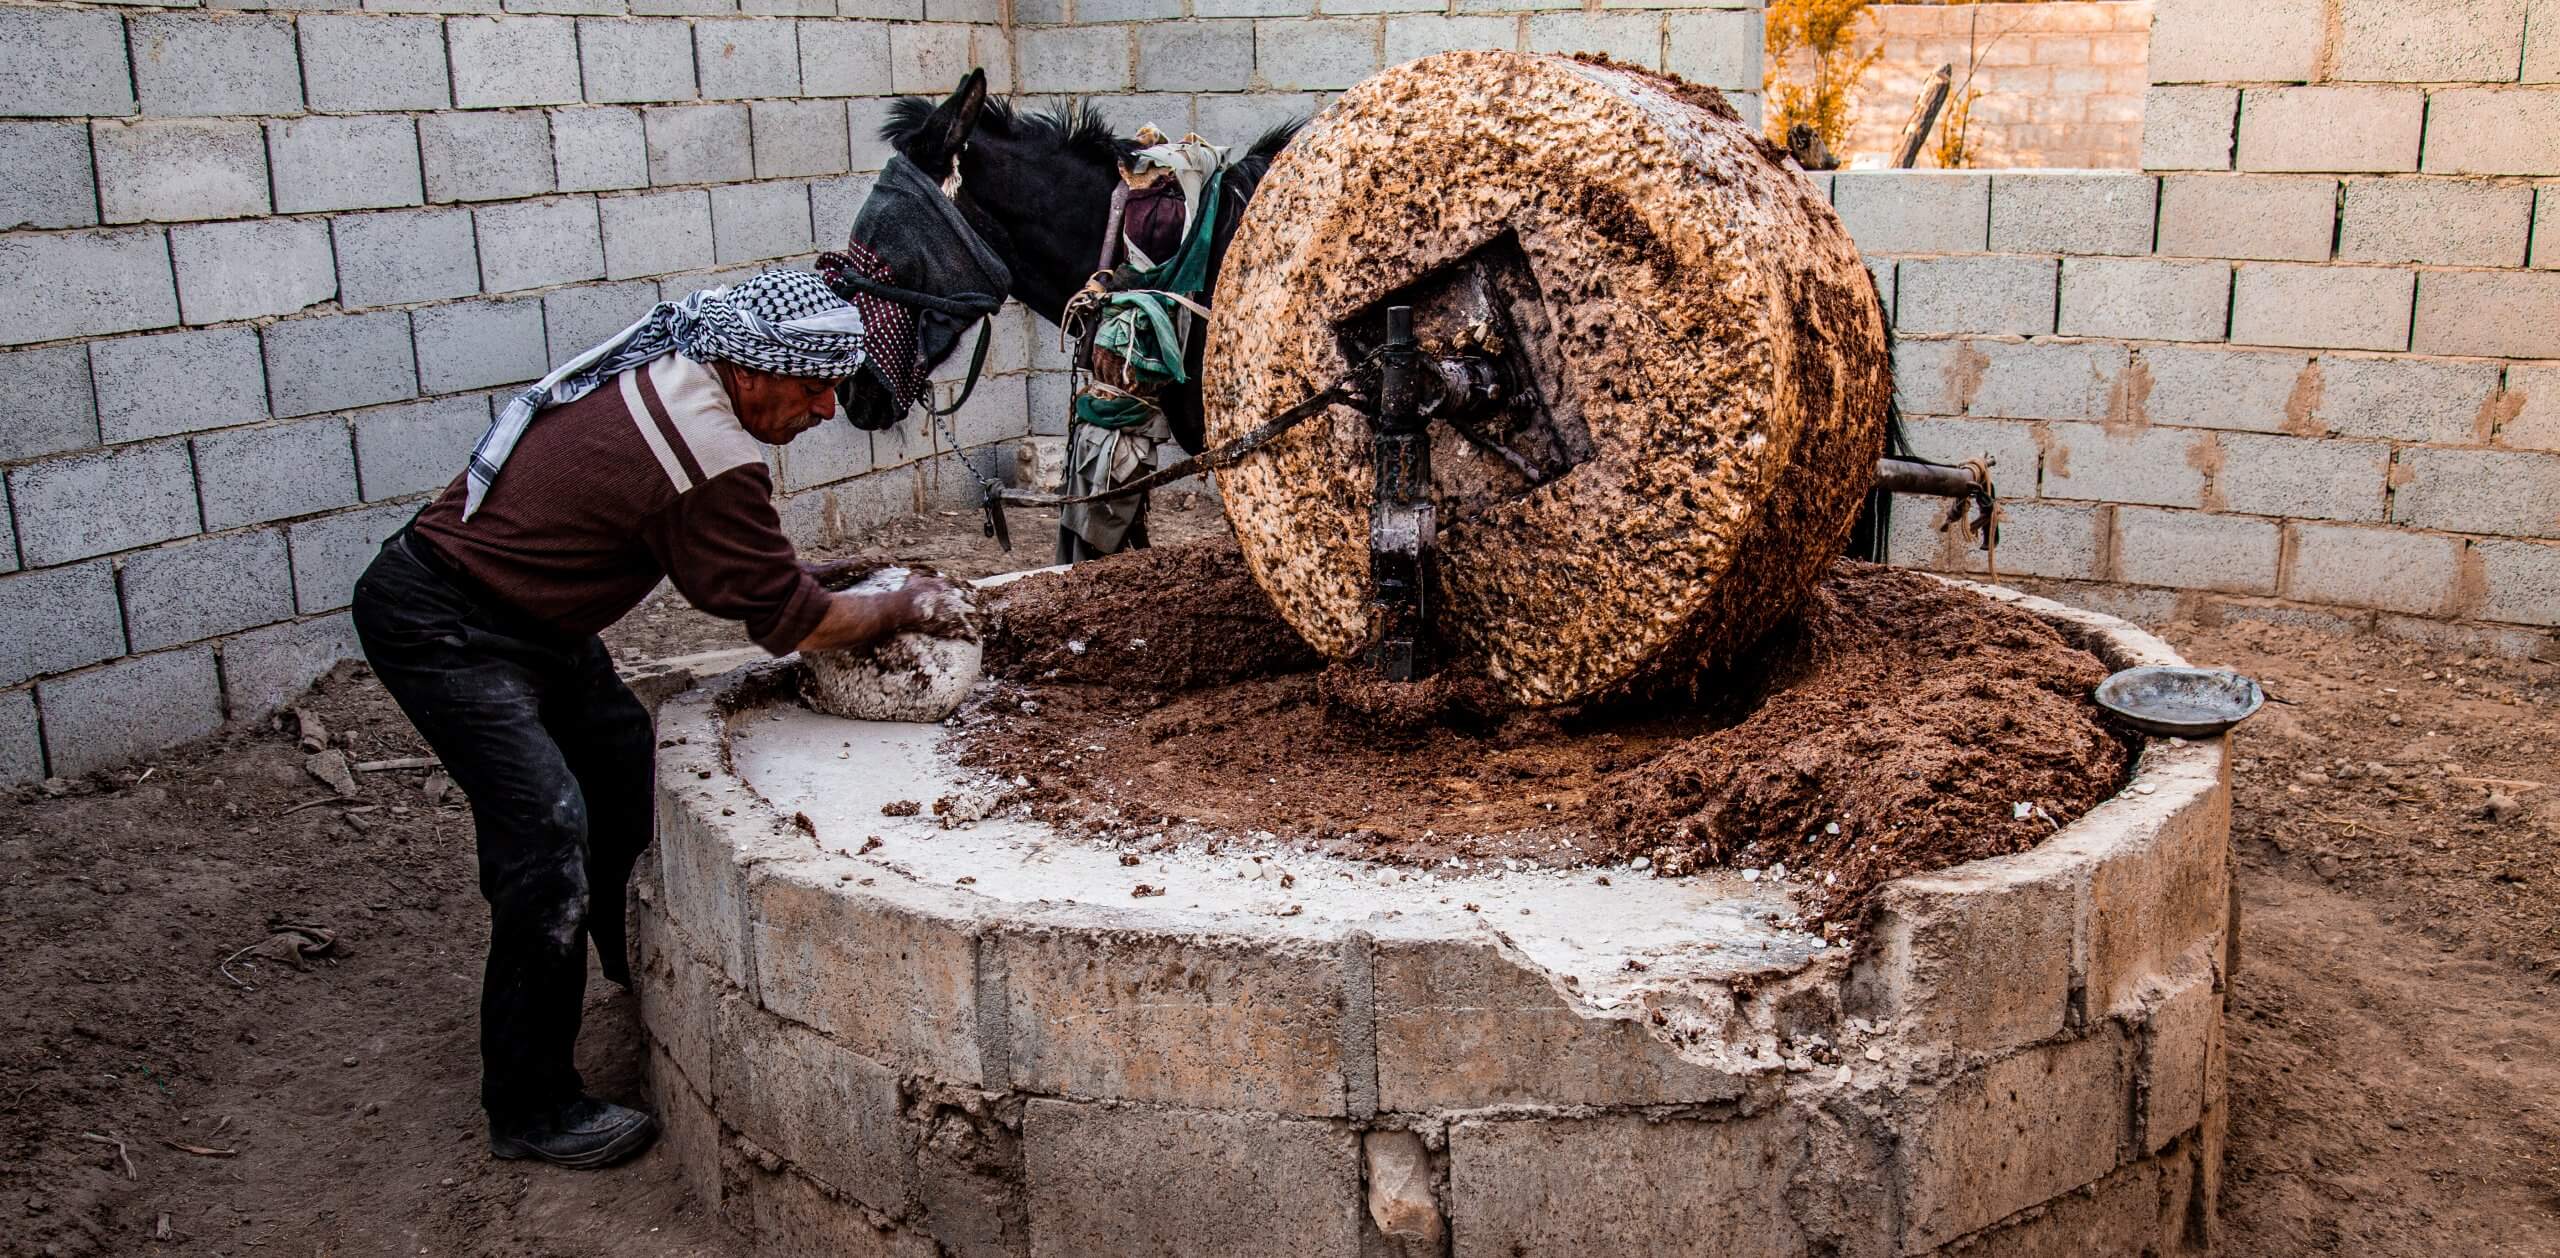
1825	33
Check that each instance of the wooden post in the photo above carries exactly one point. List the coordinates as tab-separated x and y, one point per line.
1924	116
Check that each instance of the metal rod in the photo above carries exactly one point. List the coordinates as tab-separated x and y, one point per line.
1906	476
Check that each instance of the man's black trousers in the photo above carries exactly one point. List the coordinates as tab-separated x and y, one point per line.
554	753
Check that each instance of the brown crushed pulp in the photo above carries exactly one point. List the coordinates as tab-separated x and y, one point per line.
1895	724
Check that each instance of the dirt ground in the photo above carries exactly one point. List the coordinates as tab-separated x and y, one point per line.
2395	1072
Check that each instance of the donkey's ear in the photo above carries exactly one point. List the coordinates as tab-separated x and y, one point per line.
952	121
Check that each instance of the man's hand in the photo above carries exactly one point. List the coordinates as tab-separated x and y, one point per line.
924	604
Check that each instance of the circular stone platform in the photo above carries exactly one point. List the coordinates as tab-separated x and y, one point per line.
875	1033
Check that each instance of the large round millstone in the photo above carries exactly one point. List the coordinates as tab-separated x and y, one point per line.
1710	358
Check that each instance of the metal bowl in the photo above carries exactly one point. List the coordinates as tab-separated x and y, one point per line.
2180	702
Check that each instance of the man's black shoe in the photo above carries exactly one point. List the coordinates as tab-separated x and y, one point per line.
584	1135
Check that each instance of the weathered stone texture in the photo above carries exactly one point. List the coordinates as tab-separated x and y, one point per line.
1144	1183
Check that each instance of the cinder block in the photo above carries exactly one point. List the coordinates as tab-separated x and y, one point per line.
1249	116
486	156
504	61
2435	221
154	386
799	137
2495	314
863	121
2043	380
1190	1020
247	270
1978	957
2510	493
698	144
2243	390
1987	294
1411	37
2191	550
336	362
577	319
2020	1131
1635	38
2162	467
2522	580
2546	231
2010	445
2533	391
2071	212
214	585
2403	399
2145	298
2429	41
1461	1026
2333	307
2181	1022
636	60
2330	128
92	504
1315	54
1553	1185
2391	569
1100	10
330	552
1071	59
354	64
59	619
596	149
400	256
844	59
894	980
2278	218
827	1111
2303	478
2493	131
201	65
747	57
2037	539
47	404
2542	42
1913	211
1195	56
21	740
264	669
823	455
418	447
2210	41
101	282
1169	1183
476	344
253	475
357	163
131	708
2189	128
535	244
51	182
171	172
64	63
1718	47
751	222
832	205
925	60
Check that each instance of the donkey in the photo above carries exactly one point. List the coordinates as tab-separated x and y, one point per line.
1037	187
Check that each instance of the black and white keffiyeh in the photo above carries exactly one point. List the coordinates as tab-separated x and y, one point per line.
789	323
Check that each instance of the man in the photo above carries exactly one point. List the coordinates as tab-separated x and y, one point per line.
638	460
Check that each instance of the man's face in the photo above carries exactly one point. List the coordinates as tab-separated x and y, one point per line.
777	408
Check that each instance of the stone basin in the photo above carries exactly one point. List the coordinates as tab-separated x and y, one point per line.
975	1039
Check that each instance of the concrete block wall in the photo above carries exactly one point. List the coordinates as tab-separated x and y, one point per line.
2061	84
1228	69
274	268
2305	364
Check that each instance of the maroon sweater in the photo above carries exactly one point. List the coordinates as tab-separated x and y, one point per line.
649	476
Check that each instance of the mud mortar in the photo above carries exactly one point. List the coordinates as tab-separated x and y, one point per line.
876	1023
